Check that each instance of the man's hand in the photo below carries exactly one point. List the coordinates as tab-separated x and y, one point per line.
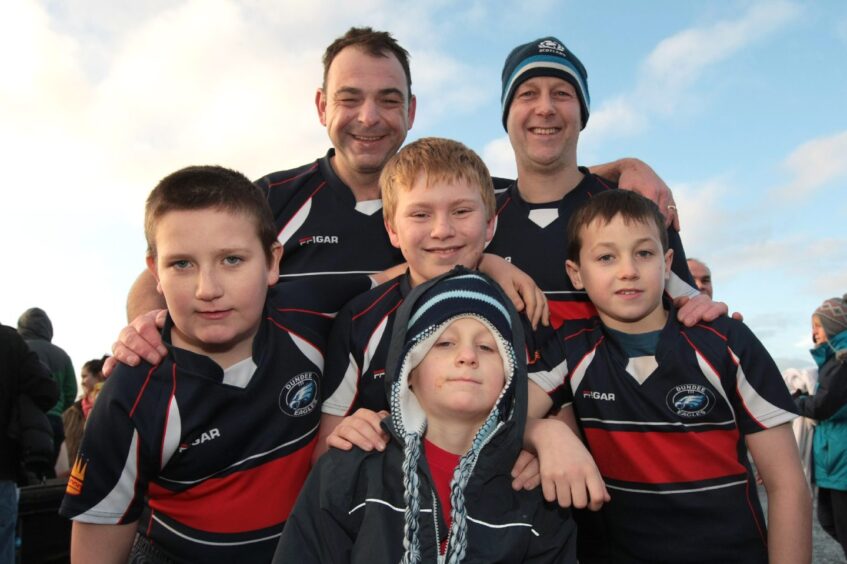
691	311
569	475
519	287
633	174
362	429
140	339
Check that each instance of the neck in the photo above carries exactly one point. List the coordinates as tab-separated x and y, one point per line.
365	186
453	436
541	187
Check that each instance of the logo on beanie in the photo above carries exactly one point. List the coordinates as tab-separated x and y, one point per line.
299	396
549	46
690	400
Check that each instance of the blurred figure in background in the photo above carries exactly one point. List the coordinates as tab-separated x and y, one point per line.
828	406
75	416
702	275
37	330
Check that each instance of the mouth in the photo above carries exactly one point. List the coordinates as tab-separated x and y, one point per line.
444	251
214	315
629	293
544	131
367	138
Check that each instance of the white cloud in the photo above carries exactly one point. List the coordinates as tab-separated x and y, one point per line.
500	158
814	165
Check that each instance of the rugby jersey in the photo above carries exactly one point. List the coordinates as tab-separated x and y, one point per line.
667	433
208	461
533	237
322	229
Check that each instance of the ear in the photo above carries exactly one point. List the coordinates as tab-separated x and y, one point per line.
392	234
320	104
273	268
572	269
490	228
668	263
154	270
413	106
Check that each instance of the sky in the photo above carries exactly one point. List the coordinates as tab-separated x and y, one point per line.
738	105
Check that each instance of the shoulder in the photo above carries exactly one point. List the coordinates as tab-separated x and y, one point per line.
594	183
289	178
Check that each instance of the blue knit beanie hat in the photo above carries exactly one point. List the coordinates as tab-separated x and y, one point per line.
546	56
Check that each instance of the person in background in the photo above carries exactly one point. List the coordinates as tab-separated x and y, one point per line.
75	416
20	373
702	275
828	406
37	330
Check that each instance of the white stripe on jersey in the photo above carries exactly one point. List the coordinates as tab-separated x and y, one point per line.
730	422
295	223
549	380
214	543
173	432
111	508
677	287
641	367
582	367
763	411
681	491
373	343
324	273
342	398
713	378
309	350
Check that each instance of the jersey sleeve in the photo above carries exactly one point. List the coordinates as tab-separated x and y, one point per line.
341	373
549	367
680	284
110	475
760	397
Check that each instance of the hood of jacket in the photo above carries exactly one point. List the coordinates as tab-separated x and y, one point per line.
34	324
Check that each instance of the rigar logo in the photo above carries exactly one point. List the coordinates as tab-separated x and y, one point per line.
320	239
603	396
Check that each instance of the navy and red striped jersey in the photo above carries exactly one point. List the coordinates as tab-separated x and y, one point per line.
321	226
533	237
358	349
667	432
208	461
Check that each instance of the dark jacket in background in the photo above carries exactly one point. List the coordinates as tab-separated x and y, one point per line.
37	329
21	372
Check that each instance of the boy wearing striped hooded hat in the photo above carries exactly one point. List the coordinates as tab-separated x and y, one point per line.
441	490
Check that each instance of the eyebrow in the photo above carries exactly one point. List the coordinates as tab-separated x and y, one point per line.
359	91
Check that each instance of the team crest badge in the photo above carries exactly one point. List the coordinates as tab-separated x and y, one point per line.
299	396
690	400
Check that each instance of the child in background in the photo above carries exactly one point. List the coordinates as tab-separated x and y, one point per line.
829	407
441	490
669	411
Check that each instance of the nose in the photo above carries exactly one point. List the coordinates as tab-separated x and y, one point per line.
544	104
627	269
369	113
209	286
467	356
442	227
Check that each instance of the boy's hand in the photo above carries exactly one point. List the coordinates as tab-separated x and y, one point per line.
362	429
691	311
569	475
526	472
140	339
519	287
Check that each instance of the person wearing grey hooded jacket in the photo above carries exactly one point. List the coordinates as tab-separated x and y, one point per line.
391	506
37	330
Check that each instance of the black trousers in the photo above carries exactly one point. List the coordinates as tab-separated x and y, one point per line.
832	514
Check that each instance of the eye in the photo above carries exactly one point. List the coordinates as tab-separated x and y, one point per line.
644	253
180	264
391	101
462	211
233	260
488	347
605	258
443	344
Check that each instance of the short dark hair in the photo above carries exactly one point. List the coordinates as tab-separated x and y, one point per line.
95	367
374	43
605	206
204	187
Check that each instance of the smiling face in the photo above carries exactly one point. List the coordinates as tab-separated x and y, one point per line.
624	271
544	123
439	226
213	272
462	375
367	111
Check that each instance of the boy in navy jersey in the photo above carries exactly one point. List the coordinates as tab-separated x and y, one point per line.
669	411
440	492
201	457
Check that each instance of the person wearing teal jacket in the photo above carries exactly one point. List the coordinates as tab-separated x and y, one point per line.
37	330
828	406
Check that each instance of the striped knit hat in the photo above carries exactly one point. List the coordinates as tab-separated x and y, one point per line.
833	315
429	310
546	56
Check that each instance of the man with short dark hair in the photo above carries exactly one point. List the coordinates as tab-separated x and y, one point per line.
702	275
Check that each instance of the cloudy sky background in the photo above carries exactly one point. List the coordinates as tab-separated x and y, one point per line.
739	105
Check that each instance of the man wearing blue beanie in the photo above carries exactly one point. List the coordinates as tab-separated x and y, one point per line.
545	106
